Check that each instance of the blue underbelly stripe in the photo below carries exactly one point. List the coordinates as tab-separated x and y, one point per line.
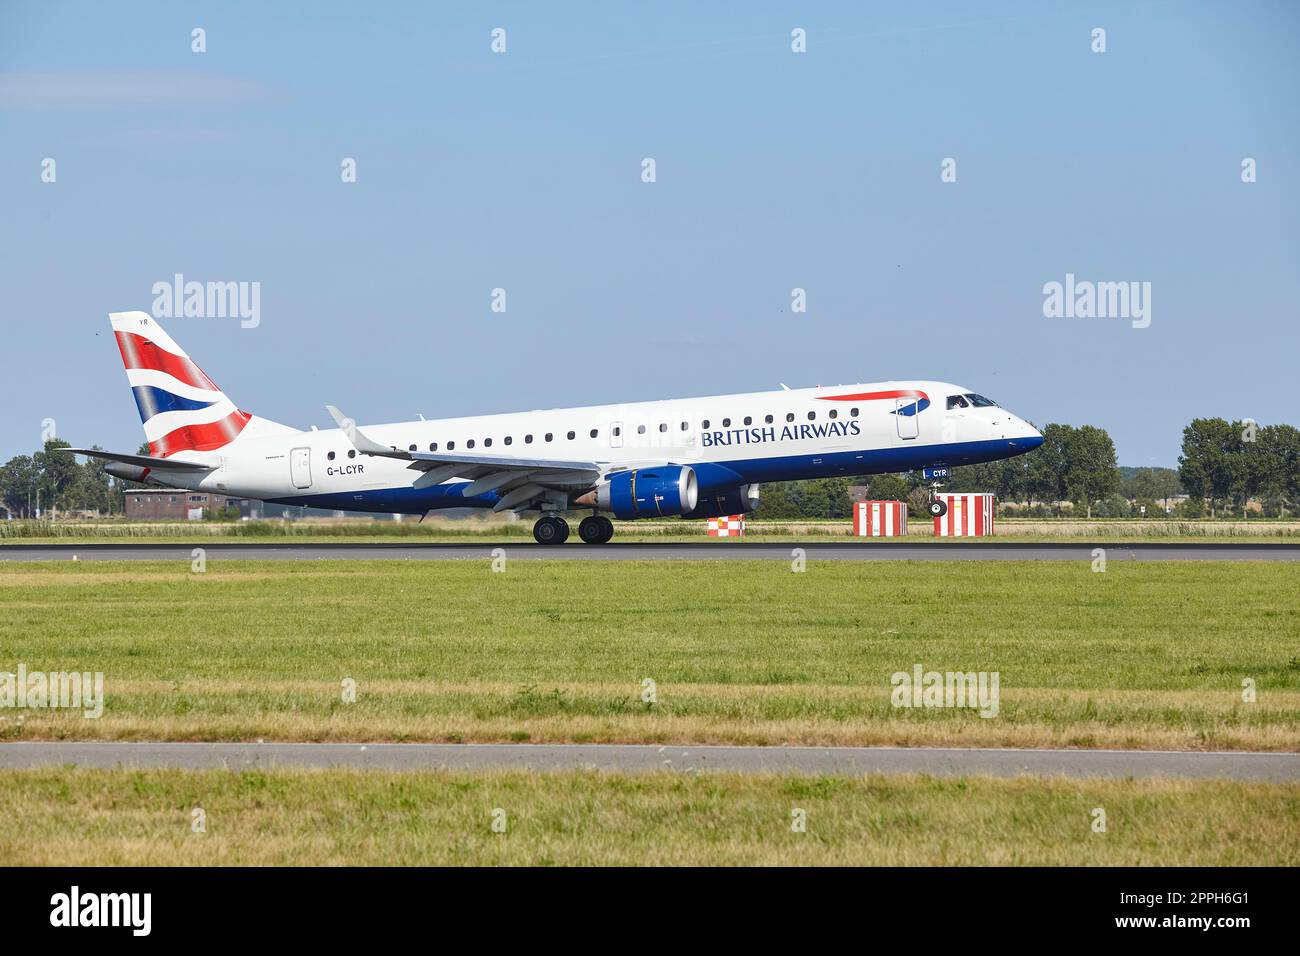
712	475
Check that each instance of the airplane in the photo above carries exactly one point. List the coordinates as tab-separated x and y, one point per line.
692	458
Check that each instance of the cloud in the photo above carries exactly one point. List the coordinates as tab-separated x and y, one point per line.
125	90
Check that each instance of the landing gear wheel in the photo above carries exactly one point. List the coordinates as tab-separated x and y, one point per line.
551	530
595	529
938	509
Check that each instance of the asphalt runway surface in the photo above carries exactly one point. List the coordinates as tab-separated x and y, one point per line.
842	761
868	550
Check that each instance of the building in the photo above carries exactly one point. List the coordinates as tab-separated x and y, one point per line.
177	503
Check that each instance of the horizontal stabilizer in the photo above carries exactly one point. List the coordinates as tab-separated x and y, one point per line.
142	461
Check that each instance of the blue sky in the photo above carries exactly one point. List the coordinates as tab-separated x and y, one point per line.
775	170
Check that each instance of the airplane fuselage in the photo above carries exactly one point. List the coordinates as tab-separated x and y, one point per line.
729	440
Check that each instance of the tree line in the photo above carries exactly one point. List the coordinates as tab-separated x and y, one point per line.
50	478
1222	466
1073	464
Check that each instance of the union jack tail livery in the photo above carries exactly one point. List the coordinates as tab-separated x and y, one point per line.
180	407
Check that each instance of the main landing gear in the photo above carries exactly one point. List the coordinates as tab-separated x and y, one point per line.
552	529
595	529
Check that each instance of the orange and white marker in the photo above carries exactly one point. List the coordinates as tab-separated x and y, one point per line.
970	515
728	526
879	519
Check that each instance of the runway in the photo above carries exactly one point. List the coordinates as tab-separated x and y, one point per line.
839	761
865	550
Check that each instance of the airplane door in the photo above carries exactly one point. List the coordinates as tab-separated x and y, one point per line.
907	417
300	467
615	434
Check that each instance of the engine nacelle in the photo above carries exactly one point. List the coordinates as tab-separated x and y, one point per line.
656	492
739	500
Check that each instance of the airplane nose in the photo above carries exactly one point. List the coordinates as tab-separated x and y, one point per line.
1022	435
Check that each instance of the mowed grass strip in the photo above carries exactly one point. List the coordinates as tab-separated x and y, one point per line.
819	530
117	817
1147	654
812	536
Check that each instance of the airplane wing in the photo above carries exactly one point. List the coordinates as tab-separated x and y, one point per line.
141	461
518	480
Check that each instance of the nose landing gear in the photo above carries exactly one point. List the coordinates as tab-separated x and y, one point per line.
936	507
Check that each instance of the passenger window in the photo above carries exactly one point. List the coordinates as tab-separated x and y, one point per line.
433	446
570	436
470	443
789	416
663	426
617	431
528	439
549	436
352	453
834	413
593	433
685	426
509	440
767	419
853	413
640	429
726	423
487	442
330	456
704	424
451	446
412	448
749	420
812	416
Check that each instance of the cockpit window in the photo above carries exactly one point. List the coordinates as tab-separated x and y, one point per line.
956	401
979	401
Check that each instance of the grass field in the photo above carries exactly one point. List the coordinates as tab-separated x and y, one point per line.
489	531
1146	654
79	817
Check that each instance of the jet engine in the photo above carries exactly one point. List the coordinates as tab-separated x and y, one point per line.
737	500
660	491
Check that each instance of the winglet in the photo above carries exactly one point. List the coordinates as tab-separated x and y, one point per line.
360	441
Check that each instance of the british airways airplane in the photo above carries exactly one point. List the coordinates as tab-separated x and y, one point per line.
693	457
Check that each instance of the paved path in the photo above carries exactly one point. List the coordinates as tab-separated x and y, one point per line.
633	758
659	551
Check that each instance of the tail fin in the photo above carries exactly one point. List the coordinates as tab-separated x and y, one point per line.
181	408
